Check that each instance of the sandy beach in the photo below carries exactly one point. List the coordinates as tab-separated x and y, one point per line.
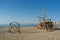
29	33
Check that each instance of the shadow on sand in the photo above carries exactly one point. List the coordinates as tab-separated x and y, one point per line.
56	28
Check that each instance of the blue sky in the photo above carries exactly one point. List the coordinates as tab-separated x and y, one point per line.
26	11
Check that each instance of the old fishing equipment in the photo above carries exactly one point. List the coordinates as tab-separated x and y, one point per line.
45	23
14	27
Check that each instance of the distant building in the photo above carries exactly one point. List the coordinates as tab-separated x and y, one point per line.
57	22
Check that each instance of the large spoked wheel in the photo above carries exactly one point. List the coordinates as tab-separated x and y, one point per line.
14	27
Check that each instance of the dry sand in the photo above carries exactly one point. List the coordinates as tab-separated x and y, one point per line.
29	33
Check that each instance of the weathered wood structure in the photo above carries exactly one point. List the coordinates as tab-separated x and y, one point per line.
45	23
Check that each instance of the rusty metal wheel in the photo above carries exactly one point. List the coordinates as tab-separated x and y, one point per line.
14	27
